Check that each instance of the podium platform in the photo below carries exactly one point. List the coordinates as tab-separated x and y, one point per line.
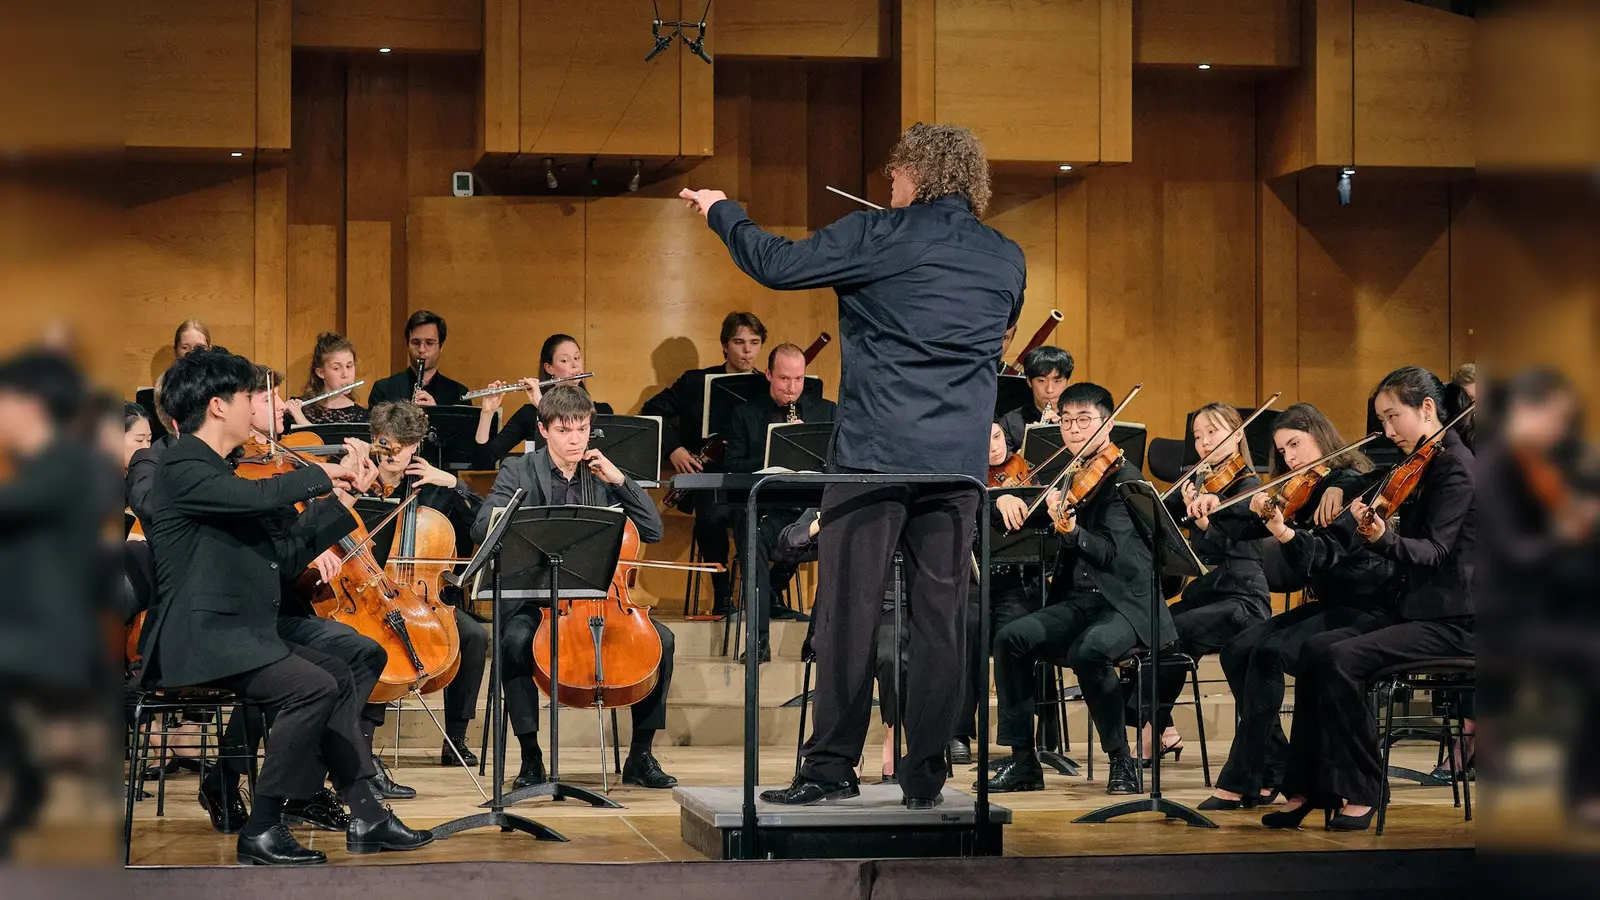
875	824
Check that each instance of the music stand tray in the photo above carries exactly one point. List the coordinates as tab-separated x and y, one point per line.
1170	555
724	392
453	435
1011	392
798	447
633	443
553	553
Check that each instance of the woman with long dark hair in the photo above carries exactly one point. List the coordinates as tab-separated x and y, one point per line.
560	357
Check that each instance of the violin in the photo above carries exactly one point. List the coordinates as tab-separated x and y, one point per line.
1014	472
1292	495
1404	479
1220	476
1085	480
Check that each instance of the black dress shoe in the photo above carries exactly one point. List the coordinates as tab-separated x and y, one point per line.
763	654
388	833
446	758
386	786
643	770
321	811
214	798
804	791
1342	822
922	802
1017	775
275	847
531	773
1287	818
1124	777
960	752
1212	804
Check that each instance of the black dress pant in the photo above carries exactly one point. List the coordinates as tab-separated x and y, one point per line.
862	525
316	723
711	523
1333	744
522	695
1081	631
461	694
770	577
1204	627
1255	664
365	657
887	663
1011	597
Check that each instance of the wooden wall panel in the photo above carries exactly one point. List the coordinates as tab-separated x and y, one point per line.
317	215
1466	290
1071	276
272	265
1024	209
1222	33
1277	293
1330	69
191	74
917	69
1116	82
1374	281
1413	85
785	29
433	25
376	186
589	90
499	114
272	74
696	100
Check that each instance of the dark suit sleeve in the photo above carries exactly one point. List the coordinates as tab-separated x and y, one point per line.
1098	544
194	488
505	484
1451	498
520	427
746	440
1012	426
670	405
842	253
636	504
383	392
141	479
29	500
321	526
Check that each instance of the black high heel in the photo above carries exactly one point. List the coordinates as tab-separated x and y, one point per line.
1176	750
1211	804
1288	818
1256	799
1342	822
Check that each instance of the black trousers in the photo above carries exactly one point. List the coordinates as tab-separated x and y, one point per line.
711	523
1081	631
771	577
862	525
1255	663
1011	597
1203	628
1333	744
316	727
886	661
522	695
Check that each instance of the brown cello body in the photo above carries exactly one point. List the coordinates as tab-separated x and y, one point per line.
425	533
610	651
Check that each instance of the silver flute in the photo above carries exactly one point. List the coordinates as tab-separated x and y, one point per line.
517	386
332	394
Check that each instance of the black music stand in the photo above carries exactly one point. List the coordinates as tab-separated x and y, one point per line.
1170	555
559	553
452	436
1011	392
632	443
489	555
801	447
724	393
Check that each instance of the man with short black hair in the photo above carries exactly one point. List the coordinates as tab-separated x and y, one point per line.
1048	369
425	336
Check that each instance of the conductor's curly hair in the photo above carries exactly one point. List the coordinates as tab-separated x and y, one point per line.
943	159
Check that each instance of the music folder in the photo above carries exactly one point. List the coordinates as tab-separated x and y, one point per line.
633	443
723	393
798	447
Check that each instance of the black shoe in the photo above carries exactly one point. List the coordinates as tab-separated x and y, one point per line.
1287	818
780	612
642	770
386	786
805	791
763	654
275	847
1017	775
321	811
888	778
531	773
1342	822
922	802
446	758
960	752
1124	777
214	798
1212	804
721	610
388	833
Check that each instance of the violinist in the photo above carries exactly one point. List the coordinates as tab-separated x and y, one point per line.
222	557
1334	757
426	332
560	357
1344	584
1098	611
1234	594
566	472
1048	369
398	429
681	408
333	366
1461	392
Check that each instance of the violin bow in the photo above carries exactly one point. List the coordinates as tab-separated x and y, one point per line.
1077	458
1210	457
1246	495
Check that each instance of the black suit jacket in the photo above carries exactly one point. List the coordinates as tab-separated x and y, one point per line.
1434	548
747	434
926	294
1117	557
142	475
401	385
221	557
681	406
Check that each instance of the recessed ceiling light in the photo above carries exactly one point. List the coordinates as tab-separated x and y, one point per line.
384	50
236	153
1065	167
1205	65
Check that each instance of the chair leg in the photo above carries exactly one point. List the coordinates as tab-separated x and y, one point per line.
1383	742
616	743
805	691
1061	709
161	774
1466	776
1451	741
1200	724
135	776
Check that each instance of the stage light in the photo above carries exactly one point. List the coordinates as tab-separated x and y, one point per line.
1066	167
385	50
550	174
633	183
1205	65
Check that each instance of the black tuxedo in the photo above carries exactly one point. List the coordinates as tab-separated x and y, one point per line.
747	433
402	385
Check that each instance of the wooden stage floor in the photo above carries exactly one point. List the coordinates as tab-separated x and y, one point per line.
647	828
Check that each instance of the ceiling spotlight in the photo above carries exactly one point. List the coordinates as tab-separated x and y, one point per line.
633	183
1066	167
385	50
550	173
1205	65
236	154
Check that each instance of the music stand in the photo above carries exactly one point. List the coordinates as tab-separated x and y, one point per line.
489	555
1170	555
1011	392
800	447
553	553
335	433
632	443
724	392
453	436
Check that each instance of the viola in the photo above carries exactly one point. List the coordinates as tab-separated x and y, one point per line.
1090	474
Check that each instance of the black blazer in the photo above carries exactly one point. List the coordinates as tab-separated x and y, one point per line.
522	426
681	406
1014	425
1117	556
1434	548
1334	564
1236	561
926	294
747	435
142	475
221	558
401	385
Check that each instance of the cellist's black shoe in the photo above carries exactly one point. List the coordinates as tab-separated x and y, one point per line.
388	833
386	786
321	811
446	758
642	770
1124	777
275	847
804	791
922	802
531	773
1018	773
214	798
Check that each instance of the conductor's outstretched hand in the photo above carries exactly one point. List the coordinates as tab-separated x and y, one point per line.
702	201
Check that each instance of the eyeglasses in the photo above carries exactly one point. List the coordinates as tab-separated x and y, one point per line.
426	343
1080	422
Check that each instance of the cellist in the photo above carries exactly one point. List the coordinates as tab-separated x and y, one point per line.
221	558
567	472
